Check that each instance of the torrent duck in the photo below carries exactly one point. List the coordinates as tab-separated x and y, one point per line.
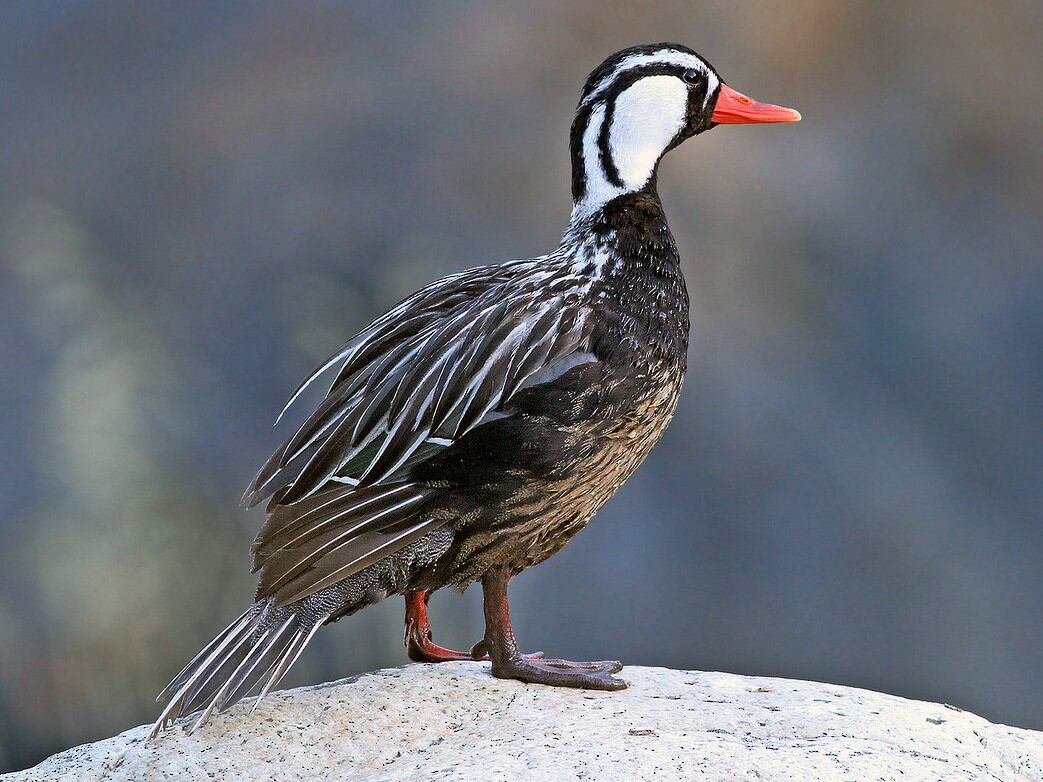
471	431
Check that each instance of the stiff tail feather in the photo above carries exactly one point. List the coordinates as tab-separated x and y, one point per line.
259	646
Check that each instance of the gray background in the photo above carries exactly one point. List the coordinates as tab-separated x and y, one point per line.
200	200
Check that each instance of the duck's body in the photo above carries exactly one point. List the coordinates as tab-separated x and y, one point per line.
519	487
478	425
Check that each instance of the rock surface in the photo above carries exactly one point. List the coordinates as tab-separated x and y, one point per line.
455	722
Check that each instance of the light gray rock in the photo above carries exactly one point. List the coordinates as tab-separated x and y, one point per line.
455	722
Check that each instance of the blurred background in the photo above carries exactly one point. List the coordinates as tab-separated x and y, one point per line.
198	201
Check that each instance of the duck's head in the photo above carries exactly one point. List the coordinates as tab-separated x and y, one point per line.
642	102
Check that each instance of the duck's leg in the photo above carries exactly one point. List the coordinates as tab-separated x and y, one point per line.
420	647
509	663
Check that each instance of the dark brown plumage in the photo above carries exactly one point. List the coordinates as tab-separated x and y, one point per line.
476	427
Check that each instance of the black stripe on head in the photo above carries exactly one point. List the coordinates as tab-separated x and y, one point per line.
606	68
608	164
579	169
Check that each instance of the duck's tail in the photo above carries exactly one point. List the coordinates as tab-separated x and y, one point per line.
261	644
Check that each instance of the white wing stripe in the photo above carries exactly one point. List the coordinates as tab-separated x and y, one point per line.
345	570
347	511
342	539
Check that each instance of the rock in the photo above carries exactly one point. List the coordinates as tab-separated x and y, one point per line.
453	721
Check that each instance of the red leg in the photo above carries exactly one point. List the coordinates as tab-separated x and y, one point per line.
418	641
509	663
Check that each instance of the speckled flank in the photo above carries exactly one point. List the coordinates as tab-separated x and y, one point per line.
454	723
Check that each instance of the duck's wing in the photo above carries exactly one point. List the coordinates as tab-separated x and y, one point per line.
409	386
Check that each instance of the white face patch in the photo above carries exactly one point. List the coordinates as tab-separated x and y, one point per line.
643	119
647	116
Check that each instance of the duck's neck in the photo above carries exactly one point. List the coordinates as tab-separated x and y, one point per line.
627	253
630	229
590	219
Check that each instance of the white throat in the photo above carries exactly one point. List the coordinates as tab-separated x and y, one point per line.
643	120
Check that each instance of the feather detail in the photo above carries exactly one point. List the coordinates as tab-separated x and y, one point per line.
287	658
426	373
250	649
408	387
342	529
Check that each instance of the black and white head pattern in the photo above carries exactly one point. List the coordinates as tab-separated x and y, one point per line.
636	105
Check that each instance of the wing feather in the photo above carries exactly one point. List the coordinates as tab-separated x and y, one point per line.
295	556
410	384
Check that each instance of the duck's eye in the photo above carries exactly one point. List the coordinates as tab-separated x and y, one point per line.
693	76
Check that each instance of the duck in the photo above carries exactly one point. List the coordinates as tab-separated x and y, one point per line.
473	429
